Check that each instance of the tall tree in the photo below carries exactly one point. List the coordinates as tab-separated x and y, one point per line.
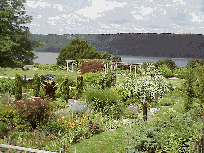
15	47
77	49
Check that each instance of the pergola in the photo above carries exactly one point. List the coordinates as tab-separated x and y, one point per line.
134	64
68	61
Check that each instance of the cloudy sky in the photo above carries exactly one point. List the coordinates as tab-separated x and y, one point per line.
115	16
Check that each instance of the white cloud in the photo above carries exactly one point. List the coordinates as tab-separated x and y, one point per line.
33	4
52	22
179	1
195	18
146	10
142	14
98	7
39	16
54	18
59	6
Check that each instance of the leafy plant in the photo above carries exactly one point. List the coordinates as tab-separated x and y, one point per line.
49	88
105	100
189	88
7	85
35	111
91	66
36	85
79	85
169	62
165	71
146	88
18	86
64	88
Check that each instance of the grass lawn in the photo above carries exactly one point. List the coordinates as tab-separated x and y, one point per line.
176	82
30	73
108	142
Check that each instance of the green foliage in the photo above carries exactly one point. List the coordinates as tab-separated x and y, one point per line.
15	48
7	85
173	132
148	68
105	55
18	86
165	71
64	88
36	85
116	58
77	49
92	78
145	88
51	67
189	88
3	128
106	100
169	62
193	63
79	85
35	112
200	86
99	80
180	72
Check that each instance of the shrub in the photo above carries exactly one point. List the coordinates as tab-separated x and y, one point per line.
7	85
169	62
79	85
50	88
3	128
91	66
64	88
105	100
18	86
165	71
36	85
173	132
188	88
33	111
193	63
92	78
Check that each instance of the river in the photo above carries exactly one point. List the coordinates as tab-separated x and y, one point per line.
50	58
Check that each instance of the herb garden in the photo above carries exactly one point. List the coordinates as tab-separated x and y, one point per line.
98	112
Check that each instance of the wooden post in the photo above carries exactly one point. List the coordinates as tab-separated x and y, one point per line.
67	67
72	67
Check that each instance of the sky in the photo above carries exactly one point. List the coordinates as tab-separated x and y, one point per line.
115	16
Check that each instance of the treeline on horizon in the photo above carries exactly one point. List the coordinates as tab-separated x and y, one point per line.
135	44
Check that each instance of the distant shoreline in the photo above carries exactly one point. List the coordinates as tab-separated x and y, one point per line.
135	56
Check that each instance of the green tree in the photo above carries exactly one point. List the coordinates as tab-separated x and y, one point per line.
147	89
105	55
36	85
165	71
77	49
169	62
18	86
188	87
116	58
15	48
193	63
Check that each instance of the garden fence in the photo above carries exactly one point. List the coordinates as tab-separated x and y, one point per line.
28	150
